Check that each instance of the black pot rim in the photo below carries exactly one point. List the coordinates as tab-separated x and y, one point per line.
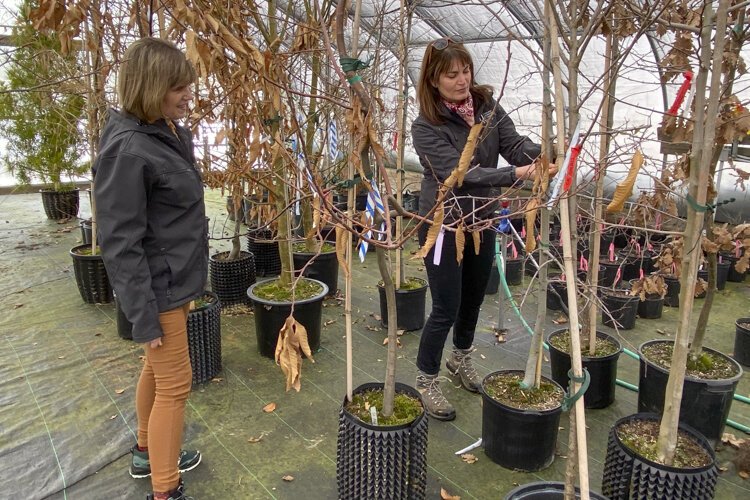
49	190
401	290
79	256
719	381
742	320
518	410
312	254
319	296
629	298
243	256
614	355
400	388
545	486
215	302
697	436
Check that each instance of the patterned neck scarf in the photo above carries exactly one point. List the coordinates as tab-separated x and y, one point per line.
465	109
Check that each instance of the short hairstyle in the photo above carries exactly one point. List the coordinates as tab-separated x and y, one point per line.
150	68
435	63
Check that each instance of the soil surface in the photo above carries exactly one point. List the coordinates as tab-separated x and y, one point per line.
641	435
272	290
708	366
506	388
604	347
405	408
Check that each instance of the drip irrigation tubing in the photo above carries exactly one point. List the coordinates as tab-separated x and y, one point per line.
622	383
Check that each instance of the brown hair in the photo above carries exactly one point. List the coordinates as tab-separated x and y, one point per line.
435	63
150	68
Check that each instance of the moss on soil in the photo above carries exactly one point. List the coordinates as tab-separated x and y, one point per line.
506	388
604	347
409	283
87	251
272	290
707	366
641	436
202	301
301	247
405	408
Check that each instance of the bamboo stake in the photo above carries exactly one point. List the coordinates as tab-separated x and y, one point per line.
703	140
578	421
400	129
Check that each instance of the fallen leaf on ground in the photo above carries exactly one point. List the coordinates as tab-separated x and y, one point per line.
16	306
217	379
329	322
254	439
561	320
469	458
373	328
269	407
288	478
444	495
376	317
744	475
400	332
660	331
483	356
119	391
732	440
113	417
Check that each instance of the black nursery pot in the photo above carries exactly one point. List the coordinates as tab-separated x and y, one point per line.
742	341
230	279
652	307
91	277
722	274
705	403
410	307
376	462
513	274
271	315
324	268
603	372
622	311
85	225
518	439
672	298
59	205
546	490
628	475
204	339
265	249
733	275
608	273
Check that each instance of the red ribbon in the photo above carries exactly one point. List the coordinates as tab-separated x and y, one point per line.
574	151
681	93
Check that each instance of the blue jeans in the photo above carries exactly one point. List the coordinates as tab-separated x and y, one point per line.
457	292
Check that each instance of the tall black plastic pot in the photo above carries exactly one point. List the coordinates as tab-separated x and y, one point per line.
742	341
603	371
59	205
230	279
545	490
513	271
629	476
270	317
91	276
705	403
608	273
518	439
732	275
410	307
261	244
124	327
375	462
672	298
324	268
722	274
85	225
619	311
204	339
652	307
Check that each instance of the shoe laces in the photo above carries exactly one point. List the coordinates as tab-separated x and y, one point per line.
434	391
464	362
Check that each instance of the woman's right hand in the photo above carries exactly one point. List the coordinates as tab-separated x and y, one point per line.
155	343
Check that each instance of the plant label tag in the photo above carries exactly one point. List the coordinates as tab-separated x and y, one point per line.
373	415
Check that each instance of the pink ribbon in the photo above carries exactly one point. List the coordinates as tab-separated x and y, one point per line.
657	220
721	261
617	276
641	273
523	232
638	250
612	252
513	250
583	264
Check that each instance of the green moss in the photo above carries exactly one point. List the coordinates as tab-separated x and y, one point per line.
301	247
405	408
272	290
506	388
641	437
87	251
409	283
603	347
202	302
707	366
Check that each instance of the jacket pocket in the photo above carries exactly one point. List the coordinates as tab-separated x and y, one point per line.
181	188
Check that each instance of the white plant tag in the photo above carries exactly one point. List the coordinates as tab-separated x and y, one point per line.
373	415
438	247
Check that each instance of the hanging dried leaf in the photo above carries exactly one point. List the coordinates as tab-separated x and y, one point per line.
531	210
292	344
468	153
341	246
432	233
475	235
460	242
625	188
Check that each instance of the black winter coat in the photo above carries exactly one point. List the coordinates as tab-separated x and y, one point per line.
151	219
439	148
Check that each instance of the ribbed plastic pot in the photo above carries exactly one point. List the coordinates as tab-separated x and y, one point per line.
124	327
672	298
204	339
270	317
518	439
732	275
375	462
85	225
494	282
410	307
705	403
619	312
91	276
265	249
324	268
545	490
230	279
513	271
652	307
603	371
59	205
629	476
742	341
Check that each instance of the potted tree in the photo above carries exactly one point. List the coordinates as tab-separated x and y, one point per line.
40	110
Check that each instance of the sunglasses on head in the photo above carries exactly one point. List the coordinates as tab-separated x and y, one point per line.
442	43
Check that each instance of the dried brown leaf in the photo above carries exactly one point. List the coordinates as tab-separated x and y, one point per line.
460	242
467	154
270	407
625	188
444	495
341	247
288	478
476	236
469	458
119	391
255	439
